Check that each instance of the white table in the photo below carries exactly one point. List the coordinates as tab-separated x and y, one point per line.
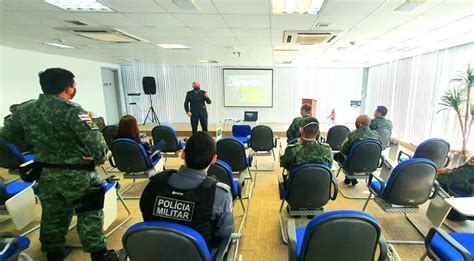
464	205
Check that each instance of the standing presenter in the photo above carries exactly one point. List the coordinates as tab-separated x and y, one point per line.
197	111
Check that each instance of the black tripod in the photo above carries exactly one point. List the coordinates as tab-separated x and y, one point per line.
151	113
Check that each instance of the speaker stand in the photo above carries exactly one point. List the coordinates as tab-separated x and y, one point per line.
151	113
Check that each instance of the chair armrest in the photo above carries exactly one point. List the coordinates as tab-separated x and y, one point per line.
111	161
400	155
435	230
435	190
381	161
9	242
381	181
154	154
335	186
448	160
275	141
383	248
223	248
291	228
281	186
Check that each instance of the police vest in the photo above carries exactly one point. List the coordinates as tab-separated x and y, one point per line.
192	208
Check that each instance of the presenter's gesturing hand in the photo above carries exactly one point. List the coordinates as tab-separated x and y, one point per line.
189	113
206	95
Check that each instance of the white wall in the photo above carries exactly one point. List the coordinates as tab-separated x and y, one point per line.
19	78
332	87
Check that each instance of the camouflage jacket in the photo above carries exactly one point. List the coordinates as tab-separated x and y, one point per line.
377	123
295	127
306	151
56	130
358	135
460	178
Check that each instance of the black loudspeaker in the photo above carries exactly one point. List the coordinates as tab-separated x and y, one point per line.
149	85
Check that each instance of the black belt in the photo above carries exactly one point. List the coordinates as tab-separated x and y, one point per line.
90	167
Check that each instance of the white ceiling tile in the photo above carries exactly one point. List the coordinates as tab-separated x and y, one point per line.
349	7
212	32
389	8
428	22
255	42
33	18
222	41
135	6
453	8
145	31
27	5
196	20
252	32
339	22
400	34
383	22
363	34
205	7
247	21
243	6
293	22
158	20
106	19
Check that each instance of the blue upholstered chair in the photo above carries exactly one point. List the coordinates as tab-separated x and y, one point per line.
435	150
11	247
337	235
364	158
168	241
241	132
132	159
411	184
172	144
453	246
336	136
11	157
306	190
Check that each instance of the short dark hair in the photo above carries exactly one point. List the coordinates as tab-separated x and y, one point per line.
312	126
55	80
306	107
200	148
14	107
382	109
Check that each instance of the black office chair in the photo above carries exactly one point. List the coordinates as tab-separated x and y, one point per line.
337	235
232	152
336	136
109	133
11	157
364	158
172	144
433	149
132	159
166	241
411	184
307	189
385	135
262	143
223	172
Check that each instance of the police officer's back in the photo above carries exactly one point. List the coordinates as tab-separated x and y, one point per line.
190	197
68	145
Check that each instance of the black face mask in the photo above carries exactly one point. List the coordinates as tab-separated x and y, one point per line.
197	89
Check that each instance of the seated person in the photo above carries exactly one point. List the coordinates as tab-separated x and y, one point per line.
361	133
128	128
379	120
189	196
308	149
293	131
459	180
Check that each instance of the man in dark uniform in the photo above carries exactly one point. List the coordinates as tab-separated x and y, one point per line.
68	144
198	111
190	197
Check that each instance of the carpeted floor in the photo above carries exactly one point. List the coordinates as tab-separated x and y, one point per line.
261	236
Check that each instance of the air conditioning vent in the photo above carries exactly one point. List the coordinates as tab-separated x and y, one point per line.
102	34
309	37
76	22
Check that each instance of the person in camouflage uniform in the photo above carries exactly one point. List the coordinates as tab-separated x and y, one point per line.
361	133
308	149
65	140
293	131
379	120
460	179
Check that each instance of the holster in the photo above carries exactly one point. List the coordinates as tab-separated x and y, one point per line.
93	200
30	171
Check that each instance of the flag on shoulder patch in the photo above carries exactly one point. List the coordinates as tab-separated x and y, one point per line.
85	117
89	122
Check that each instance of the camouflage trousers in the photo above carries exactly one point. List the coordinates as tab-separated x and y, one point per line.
57	191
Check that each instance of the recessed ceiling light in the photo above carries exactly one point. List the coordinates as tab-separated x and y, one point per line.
409	5
174	46
79	5
282	62
207	61
285	48
186	4
296	6
58	45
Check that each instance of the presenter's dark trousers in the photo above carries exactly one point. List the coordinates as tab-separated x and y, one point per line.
202	118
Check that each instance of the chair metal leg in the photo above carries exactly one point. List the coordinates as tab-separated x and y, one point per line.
129	215
284	236
30	230
341	191
242	204
410	242
337	174
127	188
367	202
274	158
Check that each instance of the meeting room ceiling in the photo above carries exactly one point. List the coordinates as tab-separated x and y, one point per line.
241	32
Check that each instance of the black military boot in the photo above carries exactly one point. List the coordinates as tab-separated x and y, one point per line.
105	255
58	255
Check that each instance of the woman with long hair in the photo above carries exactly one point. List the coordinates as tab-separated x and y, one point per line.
128	128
